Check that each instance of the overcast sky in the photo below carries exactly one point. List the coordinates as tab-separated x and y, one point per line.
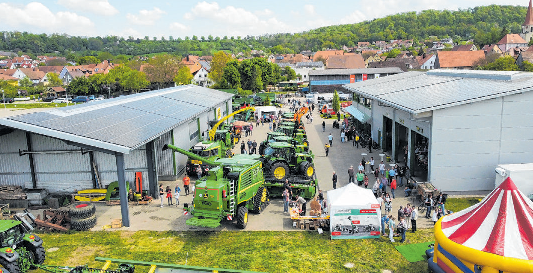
180	18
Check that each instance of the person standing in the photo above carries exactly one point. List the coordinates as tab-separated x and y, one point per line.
186	182
375	188
360	168
401	213
435	216
393	188
360	178
380	201
372	163
391	228
321	199
363	163
161	194
285	200
254	147
343	135
303	205
169	195
323	126
392	174
369	145
356	141
351	175
326	148
243	147
334	179
407	211
402	228
429	204
400	174
388	203
382	168
384	185
177	191
365	181
440	203
249	143
330	138
384	223
414	217
199	171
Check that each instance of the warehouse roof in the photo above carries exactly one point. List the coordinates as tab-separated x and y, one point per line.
388	70
121	124
417	92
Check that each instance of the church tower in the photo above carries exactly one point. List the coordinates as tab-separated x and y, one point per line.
527	26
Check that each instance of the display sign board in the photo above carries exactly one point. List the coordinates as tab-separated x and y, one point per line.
349	223
365	77
219	113
352	78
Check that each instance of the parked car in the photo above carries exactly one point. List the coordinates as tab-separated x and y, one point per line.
8	100
60	100
49	99
99	98
91	97
81	99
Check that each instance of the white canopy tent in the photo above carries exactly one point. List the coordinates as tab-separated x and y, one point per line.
354	213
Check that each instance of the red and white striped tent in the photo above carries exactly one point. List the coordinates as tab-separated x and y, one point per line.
501	224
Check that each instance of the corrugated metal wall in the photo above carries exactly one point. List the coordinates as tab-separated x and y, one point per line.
165	164
134	162
14	169
61	172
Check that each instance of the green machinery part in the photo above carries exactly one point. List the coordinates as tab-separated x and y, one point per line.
112	190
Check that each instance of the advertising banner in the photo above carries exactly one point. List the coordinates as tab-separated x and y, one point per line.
365	77
352	78
350	223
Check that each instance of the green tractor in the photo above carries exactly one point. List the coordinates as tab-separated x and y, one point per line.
284	161
19	250
211	149
231	188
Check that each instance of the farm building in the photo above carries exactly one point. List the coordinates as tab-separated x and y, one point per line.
66	149
456	126
325	81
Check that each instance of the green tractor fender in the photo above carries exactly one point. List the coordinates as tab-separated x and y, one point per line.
8	254
33	240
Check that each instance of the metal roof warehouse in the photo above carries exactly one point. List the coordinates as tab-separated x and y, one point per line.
65	149
452	127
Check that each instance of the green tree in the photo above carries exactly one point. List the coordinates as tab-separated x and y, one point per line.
134	81
220	59
10	91
506	63
25	83
267	101
289	73
184	76
162	69
53	79
336	104
105	56
232	76
79	86
527	66
88	60
257	81
393	53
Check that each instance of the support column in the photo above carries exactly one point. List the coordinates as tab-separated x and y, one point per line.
393	156
409	149
152	169
32	162
123	194
93	171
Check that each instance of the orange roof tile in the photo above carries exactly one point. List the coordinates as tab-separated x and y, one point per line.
326	53
449	59
512	39
7	78
352	61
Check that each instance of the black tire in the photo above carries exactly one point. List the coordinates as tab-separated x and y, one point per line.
228	153
81	210
38	253
279	171
12	267
261	148
83	224
305	143
307	169
242	217
260	198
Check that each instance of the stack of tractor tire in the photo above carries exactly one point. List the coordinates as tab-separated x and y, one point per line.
82	216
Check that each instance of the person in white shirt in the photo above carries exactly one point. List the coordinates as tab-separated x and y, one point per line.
382	168
372	163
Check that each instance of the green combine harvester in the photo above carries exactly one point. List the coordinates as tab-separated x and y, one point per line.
231	188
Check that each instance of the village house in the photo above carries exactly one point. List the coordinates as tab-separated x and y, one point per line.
458	59
468	47
347	61
511	41
428	61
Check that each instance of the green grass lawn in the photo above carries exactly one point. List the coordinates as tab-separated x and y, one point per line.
257	251
264	251
34	105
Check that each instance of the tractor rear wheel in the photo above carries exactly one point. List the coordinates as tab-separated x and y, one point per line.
10	266
38	254
260	199
279	171
83	224
242	217
307	169
81	210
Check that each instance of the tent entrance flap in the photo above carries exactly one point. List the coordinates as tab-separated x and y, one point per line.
362	117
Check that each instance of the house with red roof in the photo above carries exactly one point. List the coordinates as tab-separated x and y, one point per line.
510	41
458	59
